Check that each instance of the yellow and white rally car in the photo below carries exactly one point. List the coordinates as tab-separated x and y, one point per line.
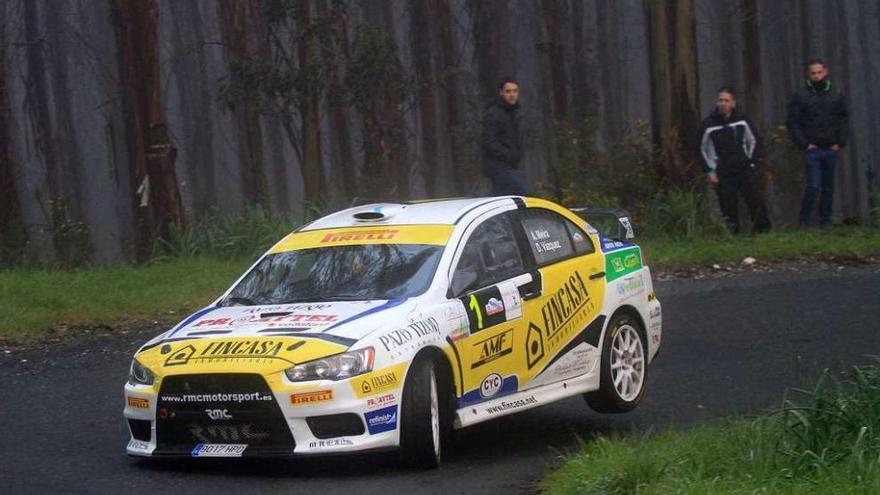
384	326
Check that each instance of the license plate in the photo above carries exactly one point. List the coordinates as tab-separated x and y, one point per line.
219	450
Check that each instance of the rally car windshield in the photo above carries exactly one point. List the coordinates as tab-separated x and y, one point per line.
340	273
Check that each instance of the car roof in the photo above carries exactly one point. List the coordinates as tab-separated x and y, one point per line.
429	212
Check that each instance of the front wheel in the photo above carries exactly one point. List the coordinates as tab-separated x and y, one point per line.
420	417
624	368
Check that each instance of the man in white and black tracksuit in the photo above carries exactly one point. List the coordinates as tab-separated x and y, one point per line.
730	148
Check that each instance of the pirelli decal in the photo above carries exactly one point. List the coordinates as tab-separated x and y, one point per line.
360	235
436	235
139	403
308	398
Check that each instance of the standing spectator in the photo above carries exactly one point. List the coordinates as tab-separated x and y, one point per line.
502	150
817	122
730	148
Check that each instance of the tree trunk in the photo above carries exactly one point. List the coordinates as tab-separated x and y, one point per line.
397	149
553	47
237	41
674	85
422	54
44	145
584	97
310	117
333	52
488	28
752	69
157	201
448	68
11	227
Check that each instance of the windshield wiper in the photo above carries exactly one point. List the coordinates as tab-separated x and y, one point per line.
349	297
300	300
240	301
327	298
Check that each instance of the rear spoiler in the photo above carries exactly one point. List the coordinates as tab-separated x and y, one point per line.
612	222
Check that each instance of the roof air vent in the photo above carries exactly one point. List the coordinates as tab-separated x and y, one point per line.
369	215
379	213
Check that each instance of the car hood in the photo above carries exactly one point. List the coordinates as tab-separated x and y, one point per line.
267	338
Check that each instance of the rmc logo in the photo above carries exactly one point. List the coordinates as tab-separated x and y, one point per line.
216	414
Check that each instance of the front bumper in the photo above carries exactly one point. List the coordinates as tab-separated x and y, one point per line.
240	415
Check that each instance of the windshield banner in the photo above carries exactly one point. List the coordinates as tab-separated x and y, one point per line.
436	235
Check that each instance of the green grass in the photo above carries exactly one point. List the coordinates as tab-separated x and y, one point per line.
34	300
772	246
827	441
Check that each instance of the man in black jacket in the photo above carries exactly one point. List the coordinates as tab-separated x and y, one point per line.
817	122
730	148
502	150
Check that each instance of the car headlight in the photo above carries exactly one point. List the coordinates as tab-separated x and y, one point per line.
337	367
139	374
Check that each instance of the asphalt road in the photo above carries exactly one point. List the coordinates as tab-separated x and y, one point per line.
731	347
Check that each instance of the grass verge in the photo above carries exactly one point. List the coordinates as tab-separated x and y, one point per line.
765	247
34	300
826	441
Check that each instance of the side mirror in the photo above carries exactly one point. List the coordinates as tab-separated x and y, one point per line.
462	280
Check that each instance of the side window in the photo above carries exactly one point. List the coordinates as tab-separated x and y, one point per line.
490	255
553	237
580	239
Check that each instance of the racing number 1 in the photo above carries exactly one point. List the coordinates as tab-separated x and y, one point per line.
475	306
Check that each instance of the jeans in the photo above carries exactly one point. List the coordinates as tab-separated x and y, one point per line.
508	181
821	164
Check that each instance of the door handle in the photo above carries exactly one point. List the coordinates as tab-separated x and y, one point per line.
597	275
532	289
529	291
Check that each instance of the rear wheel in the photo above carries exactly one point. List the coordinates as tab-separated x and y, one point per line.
420	426
624	368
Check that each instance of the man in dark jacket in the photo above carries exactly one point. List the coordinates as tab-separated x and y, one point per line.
502	150
730	148
817	122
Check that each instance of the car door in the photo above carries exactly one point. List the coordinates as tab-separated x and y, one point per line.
563	323
489	279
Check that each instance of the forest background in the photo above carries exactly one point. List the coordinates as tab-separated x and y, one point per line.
131	128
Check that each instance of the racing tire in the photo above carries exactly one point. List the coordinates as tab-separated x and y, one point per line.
420	420
624	367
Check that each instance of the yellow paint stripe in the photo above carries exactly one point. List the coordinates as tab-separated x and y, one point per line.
436	235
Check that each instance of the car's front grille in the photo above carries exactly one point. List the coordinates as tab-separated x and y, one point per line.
220	409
